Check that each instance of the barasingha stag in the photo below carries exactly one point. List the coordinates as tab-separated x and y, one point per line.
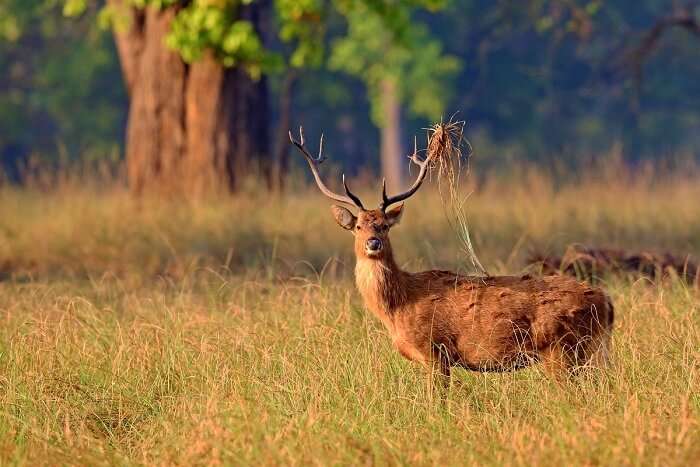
444	319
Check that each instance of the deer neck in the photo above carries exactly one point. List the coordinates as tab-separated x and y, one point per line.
382	285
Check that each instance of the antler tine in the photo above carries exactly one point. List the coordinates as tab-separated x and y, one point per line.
313	162
351	195
424	166
321	157
384	197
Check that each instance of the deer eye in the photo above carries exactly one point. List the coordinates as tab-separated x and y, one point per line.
357	227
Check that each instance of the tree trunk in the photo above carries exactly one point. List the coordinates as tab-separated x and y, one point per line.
391	153
282	145
192	128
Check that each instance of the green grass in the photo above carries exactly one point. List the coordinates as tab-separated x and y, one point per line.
170	333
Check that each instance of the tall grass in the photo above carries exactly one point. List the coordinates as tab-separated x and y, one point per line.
84	230
249	372
152	332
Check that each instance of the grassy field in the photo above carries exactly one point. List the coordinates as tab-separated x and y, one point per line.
228	331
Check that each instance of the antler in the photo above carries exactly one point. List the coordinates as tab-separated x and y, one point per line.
313	165
424	166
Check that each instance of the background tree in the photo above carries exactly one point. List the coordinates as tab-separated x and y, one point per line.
200	118
199	102
538	80
399	62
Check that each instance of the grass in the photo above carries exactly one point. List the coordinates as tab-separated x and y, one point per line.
170	333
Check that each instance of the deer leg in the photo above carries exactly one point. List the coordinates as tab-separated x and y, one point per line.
436	363
440	367
410	352
598	351
556	361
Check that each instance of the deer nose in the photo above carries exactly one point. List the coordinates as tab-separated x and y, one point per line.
374	244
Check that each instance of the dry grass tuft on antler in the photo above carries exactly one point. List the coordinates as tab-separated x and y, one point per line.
445	149
445	153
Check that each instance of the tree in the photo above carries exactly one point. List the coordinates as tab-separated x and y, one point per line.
198	113
399	62
195	72
681	17
538	78
198	118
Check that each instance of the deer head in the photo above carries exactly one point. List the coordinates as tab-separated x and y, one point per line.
370	226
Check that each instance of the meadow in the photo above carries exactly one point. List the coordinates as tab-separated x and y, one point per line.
228	331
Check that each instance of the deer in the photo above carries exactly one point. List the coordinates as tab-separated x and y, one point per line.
442	319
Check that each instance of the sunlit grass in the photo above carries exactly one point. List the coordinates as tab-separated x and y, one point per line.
178	333
257	372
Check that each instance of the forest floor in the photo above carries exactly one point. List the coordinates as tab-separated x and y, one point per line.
148	332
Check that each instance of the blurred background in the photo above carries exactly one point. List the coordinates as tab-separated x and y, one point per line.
584	118
197	94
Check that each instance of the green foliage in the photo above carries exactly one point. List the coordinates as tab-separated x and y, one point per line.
58	87
74	7
207	26
16	16
301	22
382	40
379	47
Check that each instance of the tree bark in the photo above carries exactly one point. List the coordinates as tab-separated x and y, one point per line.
391	152
191	128
282	146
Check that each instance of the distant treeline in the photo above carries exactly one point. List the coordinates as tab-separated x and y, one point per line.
535	84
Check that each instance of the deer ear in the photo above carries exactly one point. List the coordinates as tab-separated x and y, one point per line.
344	217
393	215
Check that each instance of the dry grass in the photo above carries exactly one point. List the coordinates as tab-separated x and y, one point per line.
171	333
86	232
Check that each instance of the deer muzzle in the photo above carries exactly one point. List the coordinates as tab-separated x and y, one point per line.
373	245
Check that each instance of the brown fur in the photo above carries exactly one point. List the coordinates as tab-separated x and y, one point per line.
479	323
